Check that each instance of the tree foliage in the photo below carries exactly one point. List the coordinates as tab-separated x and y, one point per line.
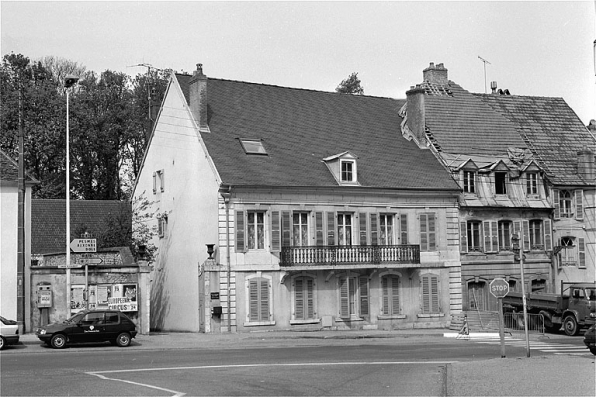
351	85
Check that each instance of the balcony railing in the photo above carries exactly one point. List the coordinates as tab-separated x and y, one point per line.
349	255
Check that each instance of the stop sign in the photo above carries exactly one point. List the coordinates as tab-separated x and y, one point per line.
499	287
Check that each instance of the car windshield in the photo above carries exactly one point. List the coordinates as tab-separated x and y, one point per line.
76	318
4	321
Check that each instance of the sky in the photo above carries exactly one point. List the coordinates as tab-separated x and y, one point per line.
537	48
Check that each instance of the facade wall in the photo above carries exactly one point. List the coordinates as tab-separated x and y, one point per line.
8	251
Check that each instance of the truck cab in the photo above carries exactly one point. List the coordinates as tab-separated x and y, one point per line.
578	306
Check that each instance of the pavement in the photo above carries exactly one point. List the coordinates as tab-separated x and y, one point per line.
539	375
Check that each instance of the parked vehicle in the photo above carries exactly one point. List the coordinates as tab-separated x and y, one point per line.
573	308
9	332
590	339
90	326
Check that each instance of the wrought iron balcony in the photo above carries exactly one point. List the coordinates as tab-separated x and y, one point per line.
349	255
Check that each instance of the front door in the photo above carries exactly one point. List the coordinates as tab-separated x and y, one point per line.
477	296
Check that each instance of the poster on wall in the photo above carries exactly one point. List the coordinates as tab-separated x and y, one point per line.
77	301
123	297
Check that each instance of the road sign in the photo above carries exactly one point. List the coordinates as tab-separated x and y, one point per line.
83	245
89	261
71	266
499	287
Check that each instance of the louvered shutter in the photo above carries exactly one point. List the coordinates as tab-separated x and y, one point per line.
310	299
275	231
363	296
487	237
434	293
556	204
581	249
423	233
463	237
319	228
385	288
579	204
395	295
548	236
240	241
425	294
363	231
344	304
374	229
432	239
430	294
299	298
331	228
526	235
286	228
494	228
253	295
403	222
264	315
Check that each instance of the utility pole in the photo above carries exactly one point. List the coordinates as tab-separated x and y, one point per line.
21	220
485	62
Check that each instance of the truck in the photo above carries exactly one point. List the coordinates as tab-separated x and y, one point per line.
574	308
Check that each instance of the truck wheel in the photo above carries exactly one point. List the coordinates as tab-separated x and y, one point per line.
570	325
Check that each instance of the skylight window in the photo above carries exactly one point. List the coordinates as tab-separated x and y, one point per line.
252	146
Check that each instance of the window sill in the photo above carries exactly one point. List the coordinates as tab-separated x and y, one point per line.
258	323
347	320
430	315
309	321
392	317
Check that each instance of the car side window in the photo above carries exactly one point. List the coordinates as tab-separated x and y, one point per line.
92	318
111	318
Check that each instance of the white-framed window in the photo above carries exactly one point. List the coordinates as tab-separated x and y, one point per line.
505	229
162	225
159	181
474	236
532	183
253	146
390	294
536	234
386	230
344	229
567	255
566	203
347	170
255	230
500	183
353	296
469	182
429	286
300	229
304	302
259	305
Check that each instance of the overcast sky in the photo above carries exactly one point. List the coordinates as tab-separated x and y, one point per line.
541	48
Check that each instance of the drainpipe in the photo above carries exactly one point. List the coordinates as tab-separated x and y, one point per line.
226	195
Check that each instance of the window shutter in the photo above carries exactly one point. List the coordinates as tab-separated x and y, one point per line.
395	295
264	314
385	288
275	231
487	237
240	241
162	181
286	240
154	182
581	249
344	308
548	236
363	231
331	228
319	229
299	299
310	291
526	236
463	237
432	243
423	233
434	293
494	227
374	229
363	296
403	220
425	280
556	204
579	204
253	295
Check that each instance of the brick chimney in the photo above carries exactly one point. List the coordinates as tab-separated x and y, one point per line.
415	114
585	165
435	74
198	98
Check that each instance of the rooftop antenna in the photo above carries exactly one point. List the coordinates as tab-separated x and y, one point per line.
150	87
485	62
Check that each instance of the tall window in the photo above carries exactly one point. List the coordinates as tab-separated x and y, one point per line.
386	230
255	229
500	183
474	241
428	238
430	293
566	203
532	183
344	229
567	254
505	228
347	171
390	287
469	182
162	225
304	307
353	296
536	234
300	229
259	299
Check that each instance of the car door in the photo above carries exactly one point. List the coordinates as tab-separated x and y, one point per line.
90	328
112	325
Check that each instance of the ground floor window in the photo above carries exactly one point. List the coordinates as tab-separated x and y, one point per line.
390	286
304	302
353	296
430	293
259	299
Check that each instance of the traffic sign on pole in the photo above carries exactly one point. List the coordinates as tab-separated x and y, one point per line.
89	261
499	287
83	245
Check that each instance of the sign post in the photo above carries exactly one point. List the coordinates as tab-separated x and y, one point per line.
500	288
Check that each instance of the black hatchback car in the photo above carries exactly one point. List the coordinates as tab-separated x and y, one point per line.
89	326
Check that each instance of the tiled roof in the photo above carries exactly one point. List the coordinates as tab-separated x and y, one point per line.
9	169
551	129
48	220
299	128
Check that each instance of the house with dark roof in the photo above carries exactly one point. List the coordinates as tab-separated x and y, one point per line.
9	241
285	208
526	168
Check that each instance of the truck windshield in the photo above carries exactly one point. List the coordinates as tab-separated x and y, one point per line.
591	293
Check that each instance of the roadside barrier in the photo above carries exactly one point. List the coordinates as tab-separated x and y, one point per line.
514	322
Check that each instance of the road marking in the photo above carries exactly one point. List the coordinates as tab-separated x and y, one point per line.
175	393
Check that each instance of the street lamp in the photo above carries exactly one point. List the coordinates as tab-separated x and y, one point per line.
69	81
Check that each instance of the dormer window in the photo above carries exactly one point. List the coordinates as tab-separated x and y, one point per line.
500	182
343	168
253	146
348	170
469	182
532	183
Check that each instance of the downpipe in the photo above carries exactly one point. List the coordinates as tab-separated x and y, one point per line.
226	195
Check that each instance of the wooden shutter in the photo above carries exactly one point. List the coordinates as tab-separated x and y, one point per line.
526	235
374	229
253	296
275	231
491	237
556	204
579	204
310	299
548	235
395	295
286	240
240	240
154	182
363	231
385	288
432	239
319	228
264	291
581	249
430	294
344	304
162	181
434	291
423	233
425	294
299	298
463	237
331	226
363	281
403	228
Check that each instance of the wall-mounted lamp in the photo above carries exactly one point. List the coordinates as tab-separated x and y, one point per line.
210	250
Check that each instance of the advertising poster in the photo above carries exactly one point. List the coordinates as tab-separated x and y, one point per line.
123	298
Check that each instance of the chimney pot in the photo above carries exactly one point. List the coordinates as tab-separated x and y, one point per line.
436	75
198	97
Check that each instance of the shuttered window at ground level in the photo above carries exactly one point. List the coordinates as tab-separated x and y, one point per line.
353	296
390	287
259	300
304	307
430	293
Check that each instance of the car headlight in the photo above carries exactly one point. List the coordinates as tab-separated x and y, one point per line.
41	331
593	315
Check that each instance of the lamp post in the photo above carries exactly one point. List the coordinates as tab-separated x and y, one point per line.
69	81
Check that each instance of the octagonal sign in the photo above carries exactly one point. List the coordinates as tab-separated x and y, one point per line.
499	287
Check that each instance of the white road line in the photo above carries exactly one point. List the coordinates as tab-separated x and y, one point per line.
174	393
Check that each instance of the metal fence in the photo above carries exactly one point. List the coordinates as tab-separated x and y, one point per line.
514	322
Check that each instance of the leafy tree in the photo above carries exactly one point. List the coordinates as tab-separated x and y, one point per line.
351	85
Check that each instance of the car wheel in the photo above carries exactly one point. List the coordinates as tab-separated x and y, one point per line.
123	339
58	341
2	343
570	325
